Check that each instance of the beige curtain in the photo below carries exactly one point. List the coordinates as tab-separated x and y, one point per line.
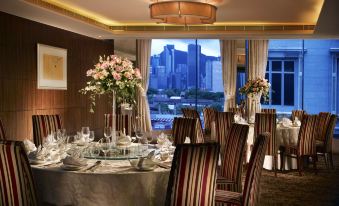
143	61
229	71
257	61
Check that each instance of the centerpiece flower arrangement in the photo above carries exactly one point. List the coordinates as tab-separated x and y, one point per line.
113	74
256	87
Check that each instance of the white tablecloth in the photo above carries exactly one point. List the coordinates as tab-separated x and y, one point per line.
116	184
285	136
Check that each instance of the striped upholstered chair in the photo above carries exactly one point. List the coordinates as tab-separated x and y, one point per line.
193	174
269	111
44	125
266	122
209	117
298	113
323	120
122	121
325	147
223	123
186	127
251	193
16	181
229	177
306	142
2	131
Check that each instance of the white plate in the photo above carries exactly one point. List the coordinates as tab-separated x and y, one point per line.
71	167
36	161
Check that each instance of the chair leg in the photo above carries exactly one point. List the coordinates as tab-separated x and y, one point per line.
331	159
275	162
314	159
299	165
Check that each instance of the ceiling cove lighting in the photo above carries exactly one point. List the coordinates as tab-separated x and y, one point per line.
183	12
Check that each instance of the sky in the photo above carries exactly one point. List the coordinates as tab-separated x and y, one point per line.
209	47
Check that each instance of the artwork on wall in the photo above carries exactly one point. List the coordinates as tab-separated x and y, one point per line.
52	67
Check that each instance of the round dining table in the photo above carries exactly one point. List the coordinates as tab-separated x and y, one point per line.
116	183
285	135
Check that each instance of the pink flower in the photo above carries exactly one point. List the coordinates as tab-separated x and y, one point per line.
89	72
128	75
118	68
137	73
116	76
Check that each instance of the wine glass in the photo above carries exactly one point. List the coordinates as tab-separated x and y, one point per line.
85	132
105	147
108	132
91	136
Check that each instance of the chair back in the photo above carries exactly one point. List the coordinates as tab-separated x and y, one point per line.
236	110
232	156
307	134
209	117
122	122
2	131
191	113
192	178
298	113
329	133
44	125
16	180
186	127
251	191
223	123
269	111
267	122
322	123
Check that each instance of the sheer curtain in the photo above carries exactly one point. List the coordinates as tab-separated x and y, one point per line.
143	60
257	61
229	71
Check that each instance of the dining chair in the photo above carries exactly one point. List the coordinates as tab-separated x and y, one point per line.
16	180
323	120
298	113
325	147
306	145
193	113
229	177
2	131
186	127
266	122
269	111
122	122
193	174
209	117
223	123
44	125
251	193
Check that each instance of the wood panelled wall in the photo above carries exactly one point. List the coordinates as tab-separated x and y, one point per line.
19	96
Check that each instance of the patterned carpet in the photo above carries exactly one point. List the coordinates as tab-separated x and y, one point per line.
310	189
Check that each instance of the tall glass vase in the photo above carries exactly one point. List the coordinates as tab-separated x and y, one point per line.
253	106
114	137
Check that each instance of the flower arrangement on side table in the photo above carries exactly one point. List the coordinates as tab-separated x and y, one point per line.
256	87
113	74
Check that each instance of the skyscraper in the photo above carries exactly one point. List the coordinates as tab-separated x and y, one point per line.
193	64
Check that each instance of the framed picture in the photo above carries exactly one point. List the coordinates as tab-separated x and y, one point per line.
52	67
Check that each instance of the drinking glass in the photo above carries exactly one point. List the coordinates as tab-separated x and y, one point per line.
91	136
105	147
85	132
108	132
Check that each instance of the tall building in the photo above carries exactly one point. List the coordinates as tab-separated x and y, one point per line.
193	64
217	85
208	77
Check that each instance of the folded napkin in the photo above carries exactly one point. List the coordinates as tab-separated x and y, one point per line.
73	161
161	140
237	118
49	139
297	122
286	122
187	140
39	154
29	146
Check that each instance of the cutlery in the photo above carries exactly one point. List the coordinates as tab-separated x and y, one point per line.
91	168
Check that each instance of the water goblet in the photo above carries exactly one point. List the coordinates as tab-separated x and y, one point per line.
108	132
91	136
105	147
85	132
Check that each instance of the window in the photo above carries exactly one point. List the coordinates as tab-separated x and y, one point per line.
183	73
281	75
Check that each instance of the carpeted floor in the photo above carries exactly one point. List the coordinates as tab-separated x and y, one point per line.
310	189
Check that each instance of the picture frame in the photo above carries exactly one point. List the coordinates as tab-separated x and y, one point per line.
52	67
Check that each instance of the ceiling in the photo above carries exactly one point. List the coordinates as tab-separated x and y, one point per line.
109	19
